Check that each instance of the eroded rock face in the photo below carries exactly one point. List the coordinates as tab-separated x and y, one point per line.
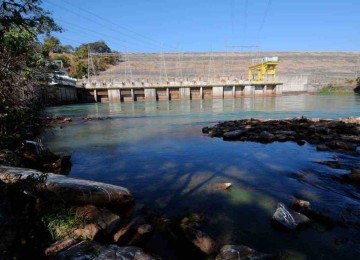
71	190
289	218
234	252
91	250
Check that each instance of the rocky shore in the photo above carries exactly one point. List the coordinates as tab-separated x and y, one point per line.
45	214
326	134
44	211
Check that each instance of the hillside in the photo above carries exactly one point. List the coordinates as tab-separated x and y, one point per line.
321	67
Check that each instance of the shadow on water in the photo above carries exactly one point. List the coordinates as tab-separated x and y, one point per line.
156	149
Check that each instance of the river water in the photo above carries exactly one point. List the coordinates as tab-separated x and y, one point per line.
157	150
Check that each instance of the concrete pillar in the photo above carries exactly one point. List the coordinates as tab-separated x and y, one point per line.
201	93
150	94
279	89
114	95
265	90
249	90
184	93
218	92
234	92
167	94
132	94
95	95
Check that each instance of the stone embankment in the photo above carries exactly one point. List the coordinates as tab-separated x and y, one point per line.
327	134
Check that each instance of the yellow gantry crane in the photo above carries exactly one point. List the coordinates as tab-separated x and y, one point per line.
265	67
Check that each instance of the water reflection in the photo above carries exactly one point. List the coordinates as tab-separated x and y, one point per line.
156	149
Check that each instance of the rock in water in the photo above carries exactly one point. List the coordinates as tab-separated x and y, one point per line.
92	250
71	190
233	252
288	218
223	186
97	221
266	137
343	145
198	238
301	204
233	135
36	151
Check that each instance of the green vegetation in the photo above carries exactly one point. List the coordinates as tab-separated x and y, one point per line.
332	89
23	65
61	221
75	60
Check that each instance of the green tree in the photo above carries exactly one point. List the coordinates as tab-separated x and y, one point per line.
79	69
358	82
67	49
51	43
98	47
65	60
22	63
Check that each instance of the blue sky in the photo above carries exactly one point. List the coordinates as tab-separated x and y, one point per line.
204	25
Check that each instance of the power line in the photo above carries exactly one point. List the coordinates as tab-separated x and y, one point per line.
264	18
137	35
245	20
88	19
111	22
98	33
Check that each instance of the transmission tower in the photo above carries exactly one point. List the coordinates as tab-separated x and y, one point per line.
211	72
163	69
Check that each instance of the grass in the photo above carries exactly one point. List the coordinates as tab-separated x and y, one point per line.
61	221
332	89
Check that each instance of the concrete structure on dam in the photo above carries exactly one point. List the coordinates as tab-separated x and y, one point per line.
261	82
195	91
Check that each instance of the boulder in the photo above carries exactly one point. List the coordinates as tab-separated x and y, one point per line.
233	135
97	221
322	147
198	238
206	130
266	137
123	231
10	158
301	204
62	165
143	232
215	132
223	186
234	252
37	152
92	250
289	218
300	142
322	130
342	145
71	190
60	245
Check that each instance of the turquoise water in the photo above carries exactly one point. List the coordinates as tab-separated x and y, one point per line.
157	150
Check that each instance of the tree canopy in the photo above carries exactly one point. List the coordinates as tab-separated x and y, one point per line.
98	47
22	61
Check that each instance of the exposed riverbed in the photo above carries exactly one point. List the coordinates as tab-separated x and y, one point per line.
158	151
